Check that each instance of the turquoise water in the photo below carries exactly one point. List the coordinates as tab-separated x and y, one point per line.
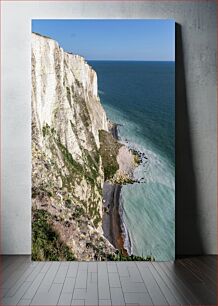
141	97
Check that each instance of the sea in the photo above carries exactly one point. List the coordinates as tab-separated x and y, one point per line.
140	97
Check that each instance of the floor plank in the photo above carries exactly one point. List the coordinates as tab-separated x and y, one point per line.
172	282
151	284
187	281
201	270
167	290
195	290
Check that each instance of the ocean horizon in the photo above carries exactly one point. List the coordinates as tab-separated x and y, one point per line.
130	60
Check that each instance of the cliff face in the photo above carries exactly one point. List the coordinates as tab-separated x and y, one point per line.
67	175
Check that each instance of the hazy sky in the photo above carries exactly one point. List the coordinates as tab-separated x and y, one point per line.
150	40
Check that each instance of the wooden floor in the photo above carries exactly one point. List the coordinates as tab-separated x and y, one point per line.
188	281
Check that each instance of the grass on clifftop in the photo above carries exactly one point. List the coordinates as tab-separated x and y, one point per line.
109	148
46	243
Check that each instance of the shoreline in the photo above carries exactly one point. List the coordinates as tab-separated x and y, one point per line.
112	222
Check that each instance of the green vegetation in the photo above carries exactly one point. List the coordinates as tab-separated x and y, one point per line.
45	130
137	157
71	163
119	256
46	243
109	148
77	171
83	111
41	192
97	220
78	212
123	180
68	203
89	172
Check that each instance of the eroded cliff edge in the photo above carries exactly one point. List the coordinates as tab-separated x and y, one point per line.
67	171
74	152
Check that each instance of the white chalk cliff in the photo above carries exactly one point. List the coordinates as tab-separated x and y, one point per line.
67	173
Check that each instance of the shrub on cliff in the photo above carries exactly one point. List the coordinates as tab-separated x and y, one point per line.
119	256
46	244
109	148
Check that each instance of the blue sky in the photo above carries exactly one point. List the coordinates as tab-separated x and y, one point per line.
148	40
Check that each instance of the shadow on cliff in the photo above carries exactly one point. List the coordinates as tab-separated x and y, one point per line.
188	234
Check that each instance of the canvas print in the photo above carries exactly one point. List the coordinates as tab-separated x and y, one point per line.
103	147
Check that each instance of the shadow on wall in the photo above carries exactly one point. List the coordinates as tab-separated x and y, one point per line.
188	234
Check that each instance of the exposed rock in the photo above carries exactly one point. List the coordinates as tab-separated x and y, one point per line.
67	172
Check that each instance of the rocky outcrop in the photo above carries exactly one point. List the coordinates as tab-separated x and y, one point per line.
67	172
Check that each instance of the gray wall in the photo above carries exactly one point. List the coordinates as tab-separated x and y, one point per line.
196	113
